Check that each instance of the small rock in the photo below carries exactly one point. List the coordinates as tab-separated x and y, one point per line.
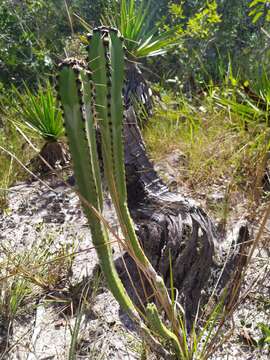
177	158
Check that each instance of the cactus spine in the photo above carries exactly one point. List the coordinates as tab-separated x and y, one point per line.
94	98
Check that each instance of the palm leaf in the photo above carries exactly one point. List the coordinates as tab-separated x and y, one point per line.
142	39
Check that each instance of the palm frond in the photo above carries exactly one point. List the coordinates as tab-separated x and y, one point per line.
135	22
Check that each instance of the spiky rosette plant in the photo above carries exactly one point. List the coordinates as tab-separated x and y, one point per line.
92	97
142	40
38	114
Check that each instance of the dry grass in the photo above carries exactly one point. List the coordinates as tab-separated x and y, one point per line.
10	170
216	144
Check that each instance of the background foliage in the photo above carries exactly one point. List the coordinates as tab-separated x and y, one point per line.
210	35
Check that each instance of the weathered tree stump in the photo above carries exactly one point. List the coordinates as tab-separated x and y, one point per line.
168	226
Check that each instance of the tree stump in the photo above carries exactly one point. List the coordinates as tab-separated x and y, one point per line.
169	226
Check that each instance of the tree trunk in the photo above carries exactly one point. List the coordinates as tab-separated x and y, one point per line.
137	91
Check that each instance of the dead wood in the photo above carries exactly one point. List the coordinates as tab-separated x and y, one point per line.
170	226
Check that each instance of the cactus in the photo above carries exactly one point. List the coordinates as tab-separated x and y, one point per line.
80	130
108	78
157	326
93	97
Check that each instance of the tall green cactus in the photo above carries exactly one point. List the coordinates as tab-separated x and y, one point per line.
92	98
108	75
80	130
